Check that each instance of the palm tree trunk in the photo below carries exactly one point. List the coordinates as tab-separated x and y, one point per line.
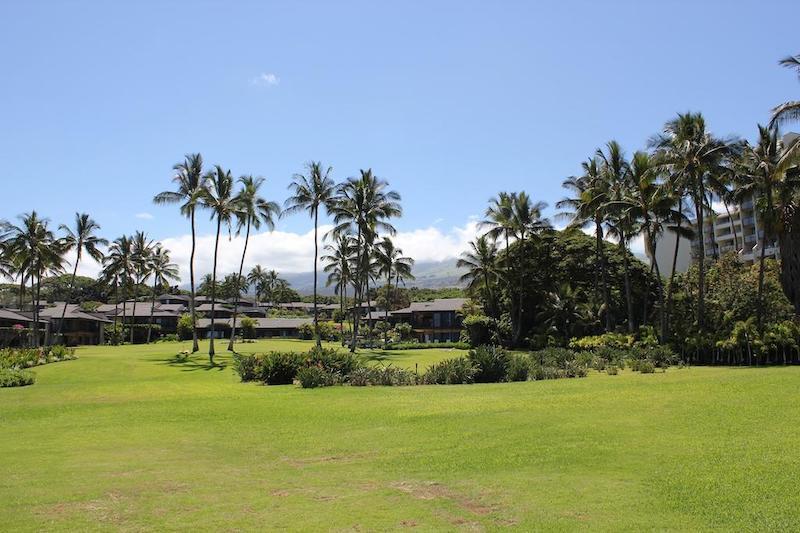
316	245
124	309
236	300
357	292
342	298
133	313
213	294
69	297
388	304
766	219
733	226
152	310
35	303
601	259
662	317
674	267
701	262
195	346
626	266
116	309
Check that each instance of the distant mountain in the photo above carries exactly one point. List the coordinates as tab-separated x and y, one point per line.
428	274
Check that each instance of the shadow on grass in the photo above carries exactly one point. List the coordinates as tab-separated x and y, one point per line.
187	364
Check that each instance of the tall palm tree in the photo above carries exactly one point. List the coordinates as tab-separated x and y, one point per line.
564	311
118	268
761	179
218	197
480	262
191	183
391	262
163	271
587	207
251	212
81	239
616	172
141	250
339	258
692	157
788	111
527	223
38	253
363	207
310	193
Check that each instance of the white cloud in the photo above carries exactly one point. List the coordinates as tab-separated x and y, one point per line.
144	216
267	79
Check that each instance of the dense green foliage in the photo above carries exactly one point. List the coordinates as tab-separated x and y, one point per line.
14	377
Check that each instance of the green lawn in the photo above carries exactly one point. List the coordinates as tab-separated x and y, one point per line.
124	438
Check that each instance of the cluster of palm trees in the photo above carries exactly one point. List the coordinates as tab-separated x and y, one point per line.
131	262
31	250
215	191
362	208
670	187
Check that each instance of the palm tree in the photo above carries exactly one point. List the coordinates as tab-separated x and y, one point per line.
338	261
218	197
563	311
390	261
309	194
788	111
141	250
481	265
163	271
363	207
81	239
761	178
38	252
252	211
191	184
691	157
118	267
256	279
526	222
587	207
616	173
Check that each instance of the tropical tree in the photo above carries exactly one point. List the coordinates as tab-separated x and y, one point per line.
310	193
339	258
481	265
163	271
761	177
118	269
564	311
37	252
363	207
391	262
81	239
692	157
190	186
586	207
141	250
256	279
219	198
252	211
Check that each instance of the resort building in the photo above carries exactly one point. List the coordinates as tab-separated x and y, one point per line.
80	327
436	321
265	327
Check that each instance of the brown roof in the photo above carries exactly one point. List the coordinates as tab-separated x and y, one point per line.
12	314
73	312
261	323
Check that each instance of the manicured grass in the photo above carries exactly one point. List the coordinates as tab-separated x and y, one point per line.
126	438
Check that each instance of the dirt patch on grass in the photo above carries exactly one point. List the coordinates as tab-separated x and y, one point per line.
109	508
431	490
300	462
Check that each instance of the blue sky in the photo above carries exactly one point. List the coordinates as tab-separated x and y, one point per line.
449	101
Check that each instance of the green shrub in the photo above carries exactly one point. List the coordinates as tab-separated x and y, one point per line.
539	373
491	364
479	329
609	340
247	326
612	370
170	337
646	367
13	377
311	377
450	371
59	352
554	357
184	328
334	361
518	368
613	356
382	375
279	368
248	366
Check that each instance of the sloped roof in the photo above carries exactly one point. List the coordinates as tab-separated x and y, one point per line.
73	311
206	308
261	323
11	314
440	304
